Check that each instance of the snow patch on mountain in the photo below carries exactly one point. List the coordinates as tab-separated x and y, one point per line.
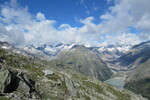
115	48
107	52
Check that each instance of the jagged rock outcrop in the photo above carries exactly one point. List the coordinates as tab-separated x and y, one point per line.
11	80
5	79
138	80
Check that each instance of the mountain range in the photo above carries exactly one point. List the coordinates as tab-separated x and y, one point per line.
107	52
73	72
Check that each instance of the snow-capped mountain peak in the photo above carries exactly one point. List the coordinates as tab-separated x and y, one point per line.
5	45
113	48
111	51
46	50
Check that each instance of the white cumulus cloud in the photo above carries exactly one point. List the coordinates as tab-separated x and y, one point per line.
40	16
19	26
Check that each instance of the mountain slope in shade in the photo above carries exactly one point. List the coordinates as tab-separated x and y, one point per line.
84	60
138	60
138	80
136	55
111	53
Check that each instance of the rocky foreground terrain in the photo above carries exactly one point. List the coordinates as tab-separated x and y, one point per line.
23	77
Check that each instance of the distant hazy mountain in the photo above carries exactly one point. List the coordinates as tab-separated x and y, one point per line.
84	60
111	53
136	55
10	48
108	53
7	46
45	51
42	51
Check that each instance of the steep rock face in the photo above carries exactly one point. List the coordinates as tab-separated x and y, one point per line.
25	85
5	79
11	80
138	79
84	60
14	81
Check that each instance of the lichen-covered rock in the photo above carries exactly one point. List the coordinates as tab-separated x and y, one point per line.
11	80
5	79
25	85
71	86
48	72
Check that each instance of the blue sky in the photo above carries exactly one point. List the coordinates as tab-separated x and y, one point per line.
90	22
67	11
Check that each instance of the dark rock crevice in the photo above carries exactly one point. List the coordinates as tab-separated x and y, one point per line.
12	81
